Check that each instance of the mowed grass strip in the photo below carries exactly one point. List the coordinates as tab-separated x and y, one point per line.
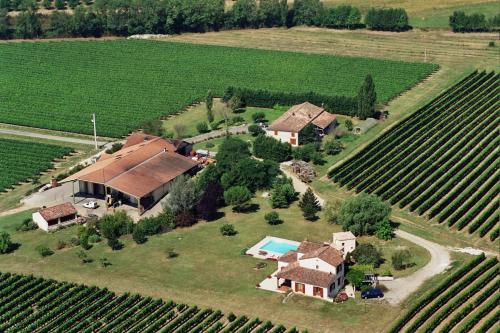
22	160
58	85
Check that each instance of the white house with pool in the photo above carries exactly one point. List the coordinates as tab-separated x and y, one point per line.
308	268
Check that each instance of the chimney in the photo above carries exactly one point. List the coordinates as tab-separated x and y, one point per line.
53	182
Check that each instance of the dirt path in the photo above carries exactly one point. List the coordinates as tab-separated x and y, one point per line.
218	133
49	137
400	289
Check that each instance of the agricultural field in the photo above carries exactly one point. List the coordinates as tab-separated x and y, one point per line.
127	83
441	162
32	304
466	301
21	160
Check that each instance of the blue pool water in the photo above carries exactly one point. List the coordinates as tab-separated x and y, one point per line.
278	247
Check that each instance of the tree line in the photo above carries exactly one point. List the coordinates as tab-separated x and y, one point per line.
128	17
461	22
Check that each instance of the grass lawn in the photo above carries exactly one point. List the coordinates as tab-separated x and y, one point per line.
188	119
218	141
209	271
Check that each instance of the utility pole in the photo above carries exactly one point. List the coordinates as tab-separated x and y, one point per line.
95	132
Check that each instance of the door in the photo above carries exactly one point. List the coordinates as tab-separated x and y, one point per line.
300	288
317	291
293	141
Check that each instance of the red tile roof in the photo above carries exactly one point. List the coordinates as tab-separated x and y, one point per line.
290	256
307	246
326	253
324	120
298	116
306	275
55	212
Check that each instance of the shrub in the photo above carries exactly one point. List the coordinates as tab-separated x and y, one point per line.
273	218
61	244
258	117
27	225
401	259
385	231
138	235
367	254
202	127
228	230
115	244
94	239
185	219
44	251
491	44
269	148
255	130
341	298
153	225
114	148
331	211
332	146
104	262
171	253
236	120
231	316
209	145
5	242
349	125
84	257
237	196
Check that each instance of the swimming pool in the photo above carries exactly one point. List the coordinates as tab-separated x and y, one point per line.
279	247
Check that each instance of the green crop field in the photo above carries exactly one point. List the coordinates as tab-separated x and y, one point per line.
58	85
467	301
22	160
30	304
441	162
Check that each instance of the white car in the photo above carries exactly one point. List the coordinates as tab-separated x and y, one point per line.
45	188
91	205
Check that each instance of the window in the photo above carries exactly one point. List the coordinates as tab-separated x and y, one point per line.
300	287
293	134
275	132
317	266
293	141
318	291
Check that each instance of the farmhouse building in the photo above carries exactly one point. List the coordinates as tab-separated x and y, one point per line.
287	127
139	174
51	218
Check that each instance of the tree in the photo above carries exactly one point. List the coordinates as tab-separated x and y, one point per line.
367	97
235	103
308	134
184	195
307	12
270	13
154	225
138	235
28	25
309	205
251	173
282	193
331	211
244	13
355	277
184	219
361	214
112	226
153	127
238	196
209	102
273	218
269	148
60	24
349	125
212	198
4	24
367	254
332	146
73	3
401	259
47	4
60	5
255	130
44	251
384	230
232	149
5	242
202	127
228	230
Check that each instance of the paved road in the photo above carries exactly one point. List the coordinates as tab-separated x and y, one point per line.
400	289
50	137
218	133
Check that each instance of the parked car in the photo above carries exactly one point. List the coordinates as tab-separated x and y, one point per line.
45	188
91	205
372	293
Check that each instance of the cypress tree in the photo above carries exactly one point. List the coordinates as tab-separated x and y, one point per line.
209	100
309	205
367	98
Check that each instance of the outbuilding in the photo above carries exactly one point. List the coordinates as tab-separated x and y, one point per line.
364	126
51	218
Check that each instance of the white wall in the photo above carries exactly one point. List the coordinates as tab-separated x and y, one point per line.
40	221
317	264
309	291
284	136
345	246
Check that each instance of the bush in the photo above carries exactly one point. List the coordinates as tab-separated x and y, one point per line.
491	44
231	316
332	146
202	127
401	259
61	244
255	130
209	145
237	196
385	231
138	235
331	211
94	239
258	117
236	120
27	225
269	148
154	225
185	219
273	218
349	125
115	244
228	230
114	148
341	298
387	19
5	242
367	254
44	251
171	253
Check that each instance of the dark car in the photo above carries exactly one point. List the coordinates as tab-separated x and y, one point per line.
372	293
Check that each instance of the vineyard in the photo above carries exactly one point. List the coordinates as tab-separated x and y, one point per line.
58	85
441	162
22	160
467	301
32	304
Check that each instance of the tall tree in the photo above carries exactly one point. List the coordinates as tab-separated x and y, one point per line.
309	205
184	195
4	24
367	97
270	13
308	12
362	214
209	102
5	242
212	198
60	24
244	13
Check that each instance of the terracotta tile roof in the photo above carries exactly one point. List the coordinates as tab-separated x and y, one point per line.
324	120
55	212
290	256
137	169
307	246
136	138
296	118
305	275
326	253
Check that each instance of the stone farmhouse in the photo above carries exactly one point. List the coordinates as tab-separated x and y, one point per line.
287	128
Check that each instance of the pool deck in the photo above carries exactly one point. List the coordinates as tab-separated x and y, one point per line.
255	251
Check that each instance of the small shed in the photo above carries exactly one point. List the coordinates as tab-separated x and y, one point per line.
364	126
51	218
